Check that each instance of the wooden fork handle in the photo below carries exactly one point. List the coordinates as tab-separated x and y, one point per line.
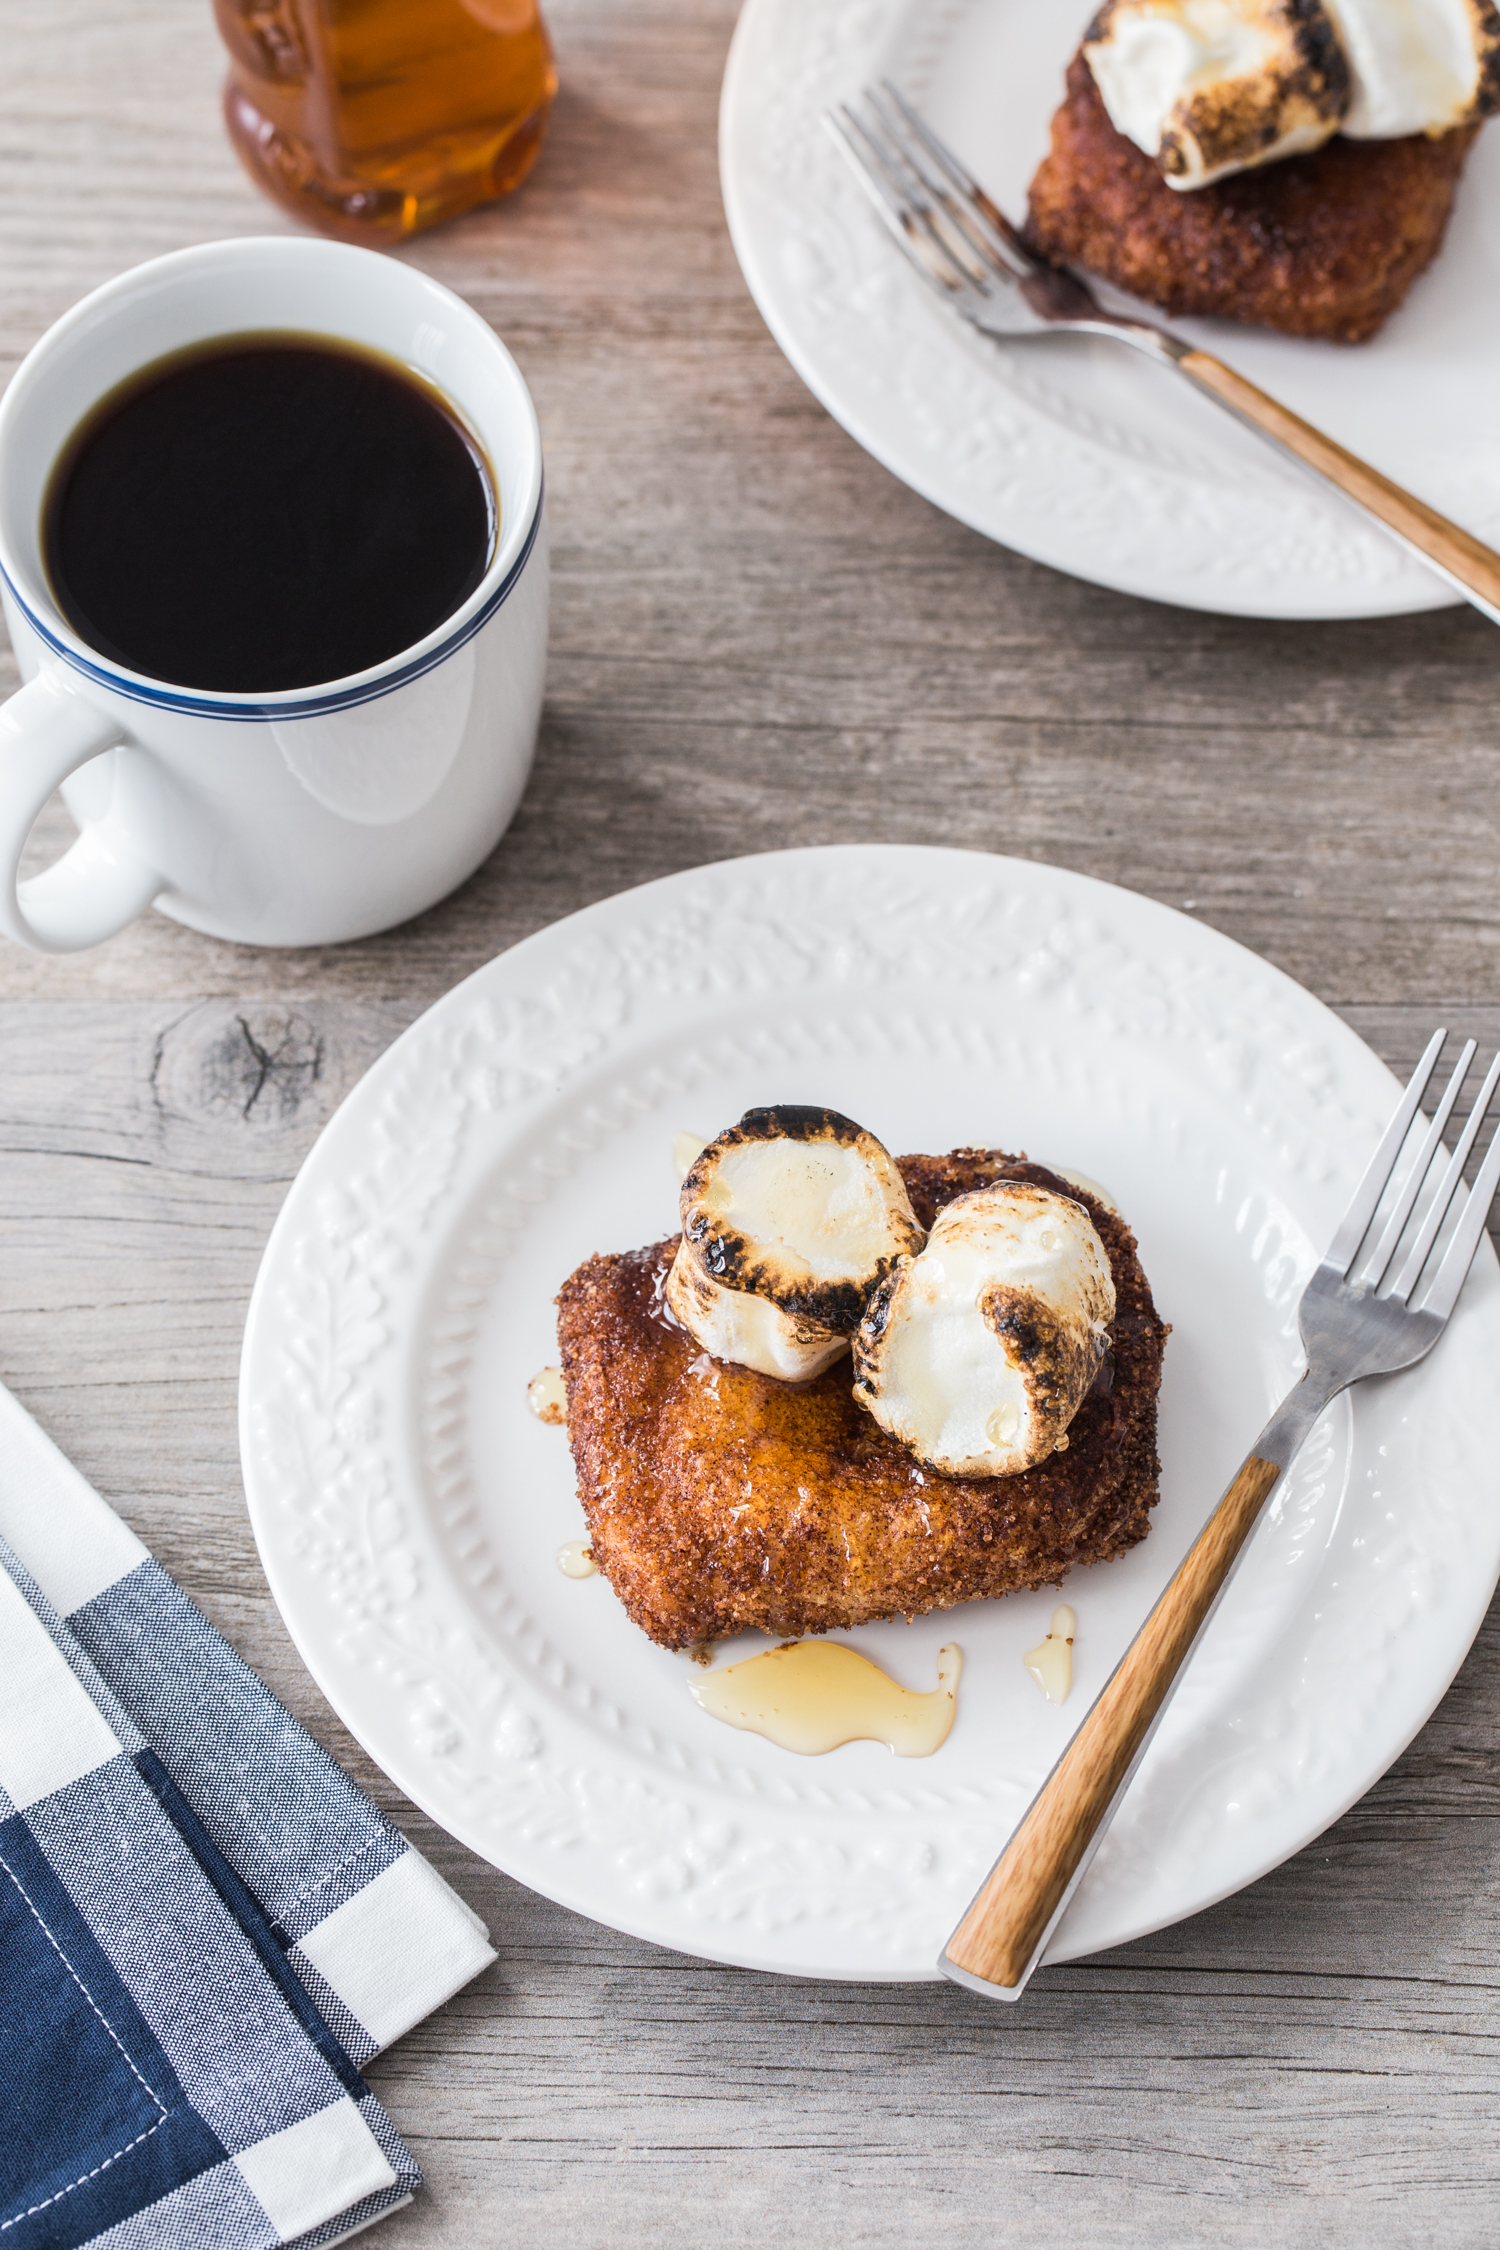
1461	558
998	1938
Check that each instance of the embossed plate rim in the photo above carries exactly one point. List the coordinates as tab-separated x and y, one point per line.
1096	505
442	1114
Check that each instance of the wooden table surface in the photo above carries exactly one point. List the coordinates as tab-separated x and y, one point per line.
761	639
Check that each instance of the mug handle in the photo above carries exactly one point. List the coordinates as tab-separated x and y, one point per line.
48	731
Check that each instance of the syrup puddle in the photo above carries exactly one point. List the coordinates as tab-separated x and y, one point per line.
547	1396
1051	1663
1082	1180
813	1696
575	1559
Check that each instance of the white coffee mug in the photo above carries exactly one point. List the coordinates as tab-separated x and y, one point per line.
292	819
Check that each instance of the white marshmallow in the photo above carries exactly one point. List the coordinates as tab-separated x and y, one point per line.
1209	87
748	1330
788	1222
1418	66
978	1353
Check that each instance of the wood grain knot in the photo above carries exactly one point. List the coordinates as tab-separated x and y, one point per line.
260	1064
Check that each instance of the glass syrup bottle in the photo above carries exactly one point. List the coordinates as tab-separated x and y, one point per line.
374	118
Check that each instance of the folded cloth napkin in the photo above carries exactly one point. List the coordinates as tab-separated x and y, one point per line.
205	1927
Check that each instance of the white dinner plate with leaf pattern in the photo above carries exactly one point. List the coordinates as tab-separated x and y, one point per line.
409	1508
1073	450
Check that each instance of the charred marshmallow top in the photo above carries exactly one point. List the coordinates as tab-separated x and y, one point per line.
978	1353
788	1222
1210	87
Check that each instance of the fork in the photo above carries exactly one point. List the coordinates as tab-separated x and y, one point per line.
1359	1316
969	252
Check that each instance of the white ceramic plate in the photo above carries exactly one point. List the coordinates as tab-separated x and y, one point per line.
409	1508
1071	450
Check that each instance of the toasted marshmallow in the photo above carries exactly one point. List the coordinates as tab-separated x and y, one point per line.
979	1352
1208	87
789	1220
751	1331
1418	66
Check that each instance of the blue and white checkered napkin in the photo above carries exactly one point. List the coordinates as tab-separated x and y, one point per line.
205	1928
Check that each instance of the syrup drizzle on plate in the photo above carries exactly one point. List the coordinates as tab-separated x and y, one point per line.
1050	1663
547	1396
1082	1180
813	1696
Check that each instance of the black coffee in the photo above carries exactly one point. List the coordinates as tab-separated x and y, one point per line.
266	513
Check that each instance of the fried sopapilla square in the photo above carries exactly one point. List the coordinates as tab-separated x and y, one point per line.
718	1498
1325	244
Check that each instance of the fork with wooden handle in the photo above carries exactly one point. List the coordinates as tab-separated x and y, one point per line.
1359	1316
965	248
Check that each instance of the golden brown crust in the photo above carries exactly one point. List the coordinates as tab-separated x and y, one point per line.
1322	245
717	1498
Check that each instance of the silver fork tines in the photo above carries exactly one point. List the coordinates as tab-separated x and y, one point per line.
917	148
1421	1249
1343	1257
1352	1324
957	176
1442	1292
1395	1225
959	240
900	195
1355	1224
941	218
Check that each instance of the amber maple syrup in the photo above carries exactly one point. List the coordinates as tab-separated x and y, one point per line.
1050	1663
375	118
814	1696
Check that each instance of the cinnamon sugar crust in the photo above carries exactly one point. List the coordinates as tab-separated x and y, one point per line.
1325	245
718	1498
